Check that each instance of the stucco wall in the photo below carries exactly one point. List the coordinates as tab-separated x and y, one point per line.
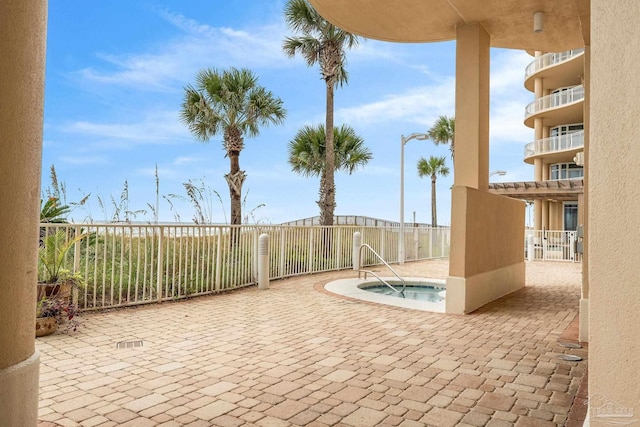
487	256
614	209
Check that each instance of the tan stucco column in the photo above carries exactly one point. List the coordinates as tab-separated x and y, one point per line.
472	107
487	231
22	49
613	205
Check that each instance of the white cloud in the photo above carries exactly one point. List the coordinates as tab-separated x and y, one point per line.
178	60
161	127
507	70
421	105
85	160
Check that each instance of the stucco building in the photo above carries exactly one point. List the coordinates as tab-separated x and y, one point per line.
487	229
557	151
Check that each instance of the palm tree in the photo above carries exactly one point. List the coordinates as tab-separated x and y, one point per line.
443	132
323	43
433	167
52	211
230	103
307	152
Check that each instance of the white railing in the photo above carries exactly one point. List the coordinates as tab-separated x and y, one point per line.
549	245
126	264
550	59
558	99
568	141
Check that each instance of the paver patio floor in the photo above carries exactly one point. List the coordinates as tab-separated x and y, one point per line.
297	355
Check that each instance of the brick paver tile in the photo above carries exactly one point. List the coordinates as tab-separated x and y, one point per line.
121	416
227	421
139	422
272	422
503	364
286	409
351	394
441	417
476	419
340	375
282	388
440	401
420	394
401	375
445	364
364	417
537	381
218	388
213	410
497	401
468	381
304	418
533	422
145	402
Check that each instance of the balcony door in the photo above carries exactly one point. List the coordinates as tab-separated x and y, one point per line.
570	216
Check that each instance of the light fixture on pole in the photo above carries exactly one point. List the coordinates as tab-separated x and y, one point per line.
498	172
403	141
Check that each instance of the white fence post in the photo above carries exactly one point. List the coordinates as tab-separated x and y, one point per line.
159	264
263	261
357	241
530	247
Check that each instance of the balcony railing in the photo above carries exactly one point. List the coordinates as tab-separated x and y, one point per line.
554	144
558	99
128	264
549	59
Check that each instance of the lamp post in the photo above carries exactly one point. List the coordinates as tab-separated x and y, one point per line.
403	141
498	172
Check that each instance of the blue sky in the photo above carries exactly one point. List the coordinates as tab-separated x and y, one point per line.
116	73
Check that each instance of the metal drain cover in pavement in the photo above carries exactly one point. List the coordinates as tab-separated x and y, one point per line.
129	344
569	345
569	357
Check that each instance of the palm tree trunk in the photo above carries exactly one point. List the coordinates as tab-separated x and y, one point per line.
235	187
328	199
434	211
235	178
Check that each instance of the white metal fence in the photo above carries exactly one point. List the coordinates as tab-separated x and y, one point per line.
126	264
549	245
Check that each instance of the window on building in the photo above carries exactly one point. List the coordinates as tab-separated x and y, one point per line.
565	171
566	129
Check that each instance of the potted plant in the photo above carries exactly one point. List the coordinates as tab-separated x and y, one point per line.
54	311
56	280
54	291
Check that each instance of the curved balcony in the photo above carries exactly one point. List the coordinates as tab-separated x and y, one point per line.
554	145
568	104
557	69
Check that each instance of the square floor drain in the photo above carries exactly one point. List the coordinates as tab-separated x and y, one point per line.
129	344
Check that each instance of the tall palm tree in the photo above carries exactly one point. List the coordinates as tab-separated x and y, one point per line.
443	132
433	167
307	152
231	103
323	43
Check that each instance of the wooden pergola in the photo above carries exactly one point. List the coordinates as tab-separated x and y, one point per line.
557	190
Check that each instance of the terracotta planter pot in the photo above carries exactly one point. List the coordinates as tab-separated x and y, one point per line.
61	290
45	326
